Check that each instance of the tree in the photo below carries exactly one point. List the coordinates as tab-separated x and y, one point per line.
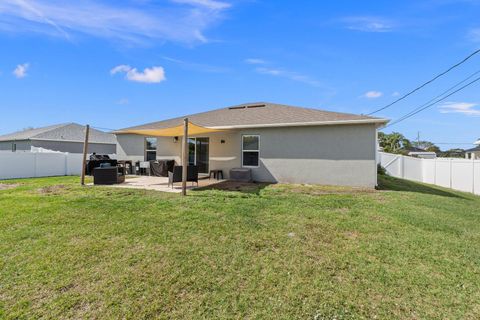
394	142
453	153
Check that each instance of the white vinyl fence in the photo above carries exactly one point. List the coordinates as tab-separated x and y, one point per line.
39	164
453	173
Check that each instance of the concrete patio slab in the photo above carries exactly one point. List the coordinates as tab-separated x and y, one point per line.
160	184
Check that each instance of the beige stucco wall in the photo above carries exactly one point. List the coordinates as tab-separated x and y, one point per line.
222	156
332	155
130	147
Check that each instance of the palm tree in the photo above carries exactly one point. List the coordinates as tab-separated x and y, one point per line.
393	142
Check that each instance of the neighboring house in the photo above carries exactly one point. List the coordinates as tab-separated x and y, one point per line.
473	153
421	153
67	137
278	143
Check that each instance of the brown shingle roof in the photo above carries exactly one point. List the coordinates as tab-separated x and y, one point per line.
261	114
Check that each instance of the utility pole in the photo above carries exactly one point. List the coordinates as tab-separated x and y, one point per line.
85	150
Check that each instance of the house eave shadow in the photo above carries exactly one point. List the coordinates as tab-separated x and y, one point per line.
389	183
253	188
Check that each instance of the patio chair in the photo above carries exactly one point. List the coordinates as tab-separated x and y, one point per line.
107	175
176	175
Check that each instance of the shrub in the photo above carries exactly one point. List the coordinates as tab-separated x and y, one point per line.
381	170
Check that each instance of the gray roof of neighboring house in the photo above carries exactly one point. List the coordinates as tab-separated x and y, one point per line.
415	149
476	149
261	114
61	132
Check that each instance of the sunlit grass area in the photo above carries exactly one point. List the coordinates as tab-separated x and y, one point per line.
406	251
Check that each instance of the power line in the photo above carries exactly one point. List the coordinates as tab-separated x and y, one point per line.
426	83
411	114
100	128
438	96
457	143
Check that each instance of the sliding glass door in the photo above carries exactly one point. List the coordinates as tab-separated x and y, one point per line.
198	153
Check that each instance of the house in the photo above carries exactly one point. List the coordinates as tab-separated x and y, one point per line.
420	153
66	137
473	153
279	143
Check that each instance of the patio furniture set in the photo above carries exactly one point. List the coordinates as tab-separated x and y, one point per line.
106	171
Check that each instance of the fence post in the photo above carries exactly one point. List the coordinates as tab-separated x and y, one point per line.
473	174
66	163
451	173
402	167
35	164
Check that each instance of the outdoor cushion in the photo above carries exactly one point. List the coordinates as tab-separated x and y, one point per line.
108	175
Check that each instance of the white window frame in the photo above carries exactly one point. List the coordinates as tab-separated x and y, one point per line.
257	151
195	150
147	150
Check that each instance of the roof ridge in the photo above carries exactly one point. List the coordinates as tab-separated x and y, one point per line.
237	106
51	128
46	128
241	115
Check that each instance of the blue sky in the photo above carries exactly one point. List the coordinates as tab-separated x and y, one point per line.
114	64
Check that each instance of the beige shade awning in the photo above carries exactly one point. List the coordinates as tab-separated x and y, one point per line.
176	131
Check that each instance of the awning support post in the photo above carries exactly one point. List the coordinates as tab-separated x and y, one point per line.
184	156
84	157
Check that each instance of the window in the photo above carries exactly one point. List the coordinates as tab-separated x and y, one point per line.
250	150
14	147
150	149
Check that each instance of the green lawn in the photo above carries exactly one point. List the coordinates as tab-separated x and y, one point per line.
408	251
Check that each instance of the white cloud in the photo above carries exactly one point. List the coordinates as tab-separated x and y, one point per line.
120	68
255	61
469	109
368	24
395	94
271	71
131	22
123	101
21	70
372	94
209	4
201	67
148	75
474	35
277	72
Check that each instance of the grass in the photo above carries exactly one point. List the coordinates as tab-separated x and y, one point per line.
408	251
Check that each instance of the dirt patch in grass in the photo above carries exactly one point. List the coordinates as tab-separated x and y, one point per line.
351	235
55	189
235	186
341	210
315	190
6	186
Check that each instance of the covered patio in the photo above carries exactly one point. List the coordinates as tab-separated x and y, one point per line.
184	131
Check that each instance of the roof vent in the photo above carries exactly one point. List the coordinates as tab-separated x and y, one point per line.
256	106
234	108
